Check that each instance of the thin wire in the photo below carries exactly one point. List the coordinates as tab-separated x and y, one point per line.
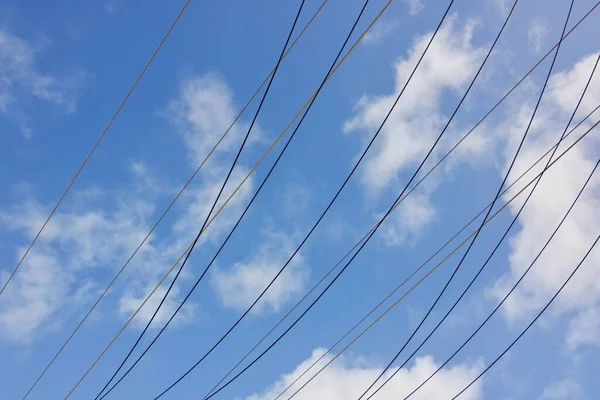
183	188
515	218
318	220
354	256
514	286
408	193
259	108
477	234
532	322
226	202
238	221
430	272
95	146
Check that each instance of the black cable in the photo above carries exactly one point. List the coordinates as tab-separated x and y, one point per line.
243	214
508	229
418	183
367	239
329	206
532	322
215	201
483	222
514	286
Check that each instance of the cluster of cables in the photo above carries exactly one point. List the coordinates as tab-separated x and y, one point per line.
525	183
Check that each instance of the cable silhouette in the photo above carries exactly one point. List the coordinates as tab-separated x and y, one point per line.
360	248
236	224
533	321
330	203
488	213
172	203
242	182
222	188
429	273
322	279
95	146
514	220
512	289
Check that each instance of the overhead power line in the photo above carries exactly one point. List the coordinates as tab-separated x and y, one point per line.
236	224
532	322
431	271
212	208
512	163
513	288
322	279
315	225
243	181
171	204
95	146
504	235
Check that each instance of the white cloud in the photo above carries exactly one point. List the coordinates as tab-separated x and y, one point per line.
553	196
410	219
239	285
538	30
78	250
379	32
567	389
20	77
347	378
129	303
583	328
202	112
411	129
414	6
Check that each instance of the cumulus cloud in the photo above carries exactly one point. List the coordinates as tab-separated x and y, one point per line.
62	271
411	129
239	285
21	77
550	201
347	378
449	65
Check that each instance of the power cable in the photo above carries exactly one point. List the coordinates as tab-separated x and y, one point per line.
236	224
331	202
216	199
322	279
429	273
488	212
514	220
511	290
95	146
170	206
532	322
243	181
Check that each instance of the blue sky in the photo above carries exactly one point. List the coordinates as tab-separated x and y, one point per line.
64	68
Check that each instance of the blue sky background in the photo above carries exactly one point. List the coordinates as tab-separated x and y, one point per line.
65	66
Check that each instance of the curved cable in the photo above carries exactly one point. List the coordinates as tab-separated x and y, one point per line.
237	156
234	227
243	181
328	207
429	273
533	321
170	206
488	213
322	279
515	218
511	290
95	146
